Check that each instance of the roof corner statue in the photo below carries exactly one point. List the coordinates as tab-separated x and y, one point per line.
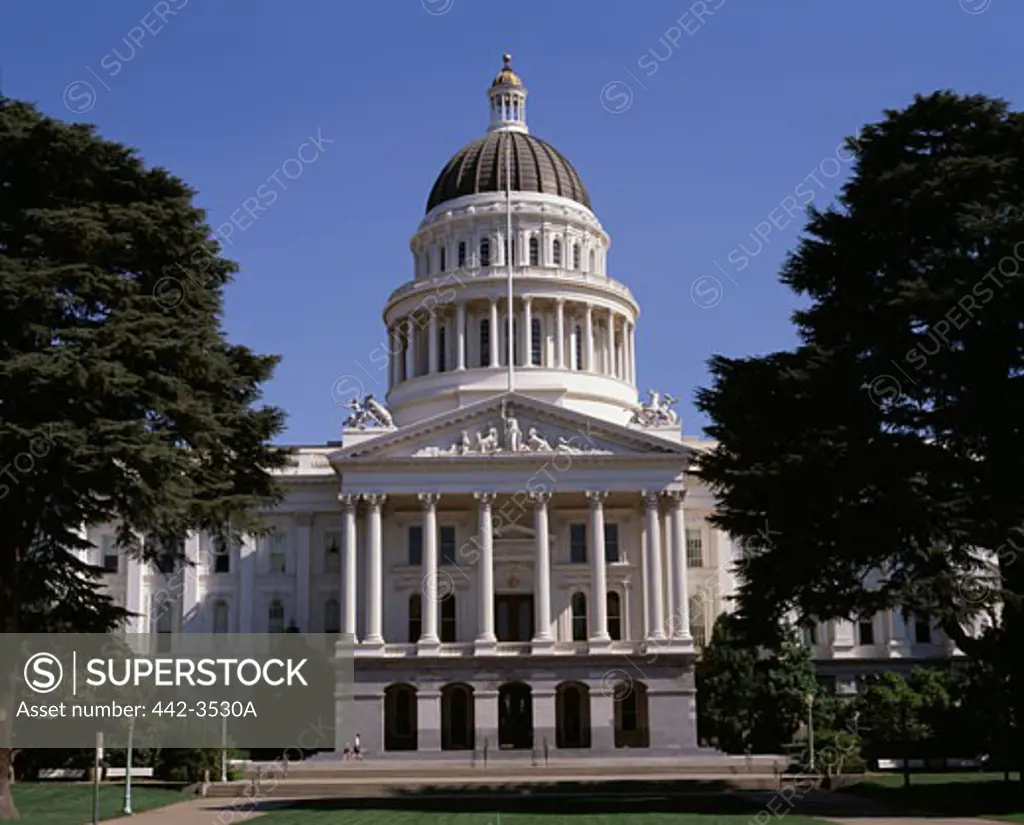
369	411
656	411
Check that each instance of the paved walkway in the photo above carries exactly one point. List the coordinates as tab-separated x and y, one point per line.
223	811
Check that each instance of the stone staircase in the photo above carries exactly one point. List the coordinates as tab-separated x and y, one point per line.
506	776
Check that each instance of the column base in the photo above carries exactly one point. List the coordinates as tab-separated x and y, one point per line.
484	644
372	643
428	647
542	644
599	642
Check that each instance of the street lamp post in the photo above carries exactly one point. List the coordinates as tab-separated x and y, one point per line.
128	772
810	727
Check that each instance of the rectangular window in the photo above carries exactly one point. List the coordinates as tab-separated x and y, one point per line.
485	252
578	543
110	555
485	342
444	259
535	342
278	552
828	684
332	552
866	632
611	543
462	253
922	630
167	559
415	545
448	544
694	549
810	634
221	556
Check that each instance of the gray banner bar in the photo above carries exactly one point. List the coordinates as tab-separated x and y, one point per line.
176	690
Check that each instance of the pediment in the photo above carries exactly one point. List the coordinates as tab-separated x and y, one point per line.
511	427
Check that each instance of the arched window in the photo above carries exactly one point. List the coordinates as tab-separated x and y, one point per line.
220	616
444	259
576	256
593	261
534	251
535	342
462	253
578	338
485	342
614	616
415	618
442	348
332	616
579	617
275	617
485	252
556	252
448	627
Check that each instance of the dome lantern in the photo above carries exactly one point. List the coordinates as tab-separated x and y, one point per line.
507	96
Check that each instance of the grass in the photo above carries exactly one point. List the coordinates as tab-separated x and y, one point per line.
55	803
639	810
947	794
392	817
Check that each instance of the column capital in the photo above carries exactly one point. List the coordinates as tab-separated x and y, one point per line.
560	302
596	498
484	498
650	498
348	500
527	300
540	498
375	500
428	500
675	496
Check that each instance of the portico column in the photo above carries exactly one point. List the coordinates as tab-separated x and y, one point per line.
348	564
632	352
598	575
428	634
527	334
460	336
494	333
613	368
304	533
542	571
560	333
655	620
677	516
588	345
432	342
485	636
410	348
375	577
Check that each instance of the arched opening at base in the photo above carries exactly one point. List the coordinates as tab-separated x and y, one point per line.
572	715
631	721
458	728
400	723
515	716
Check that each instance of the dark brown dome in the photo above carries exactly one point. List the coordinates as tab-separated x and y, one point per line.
480	167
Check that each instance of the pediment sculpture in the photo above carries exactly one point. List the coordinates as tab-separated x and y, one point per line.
509	439
368	412
656	411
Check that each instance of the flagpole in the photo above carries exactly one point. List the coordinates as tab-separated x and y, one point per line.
509	247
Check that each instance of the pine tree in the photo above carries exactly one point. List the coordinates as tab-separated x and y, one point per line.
120	398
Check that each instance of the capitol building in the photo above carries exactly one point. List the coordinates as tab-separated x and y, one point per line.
513	537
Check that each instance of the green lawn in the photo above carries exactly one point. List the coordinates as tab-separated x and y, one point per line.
392	817
555	810
947	794
54	803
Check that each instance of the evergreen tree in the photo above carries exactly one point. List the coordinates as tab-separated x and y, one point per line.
120	398
889	442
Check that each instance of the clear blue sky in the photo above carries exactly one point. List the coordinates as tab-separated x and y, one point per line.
727	116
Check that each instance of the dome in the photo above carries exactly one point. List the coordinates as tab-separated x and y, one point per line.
507	77
537	166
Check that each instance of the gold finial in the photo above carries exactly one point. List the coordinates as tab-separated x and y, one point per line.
508	59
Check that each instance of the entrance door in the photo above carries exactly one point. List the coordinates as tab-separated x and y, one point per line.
515	717
514	614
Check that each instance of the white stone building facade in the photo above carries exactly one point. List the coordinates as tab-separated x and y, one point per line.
521	555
